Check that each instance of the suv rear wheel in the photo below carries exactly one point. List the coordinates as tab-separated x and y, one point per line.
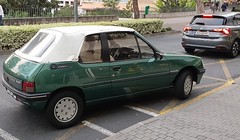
189	50
234	49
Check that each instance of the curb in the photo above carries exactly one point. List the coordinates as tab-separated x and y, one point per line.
6	52
163	33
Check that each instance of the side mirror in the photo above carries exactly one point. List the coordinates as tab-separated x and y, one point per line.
159	55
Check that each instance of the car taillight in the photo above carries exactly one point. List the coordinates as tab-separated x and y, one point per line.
28	87
186	28
225	31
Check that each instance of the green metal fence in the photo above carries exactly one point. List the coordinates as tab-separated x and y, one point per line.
30	12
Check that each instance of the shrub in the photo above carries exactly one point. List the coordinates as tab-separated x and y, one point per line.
14	37
163	30
66	11
168	29
121	13
124	13
13	14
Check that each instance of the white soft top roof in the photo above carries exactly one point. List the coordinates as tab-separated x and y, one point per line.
89	29
67	44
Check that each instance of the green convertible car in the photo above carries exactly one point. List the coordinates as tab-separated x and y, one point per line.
63	69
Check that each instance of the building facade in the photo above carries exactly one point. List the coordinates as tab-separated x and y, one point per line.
95	4
63	3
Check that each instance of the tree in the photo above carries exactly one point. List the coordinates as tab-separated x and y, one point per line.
65	11
175	5
129	5
112	4
135	9
10	4
2	2
200	6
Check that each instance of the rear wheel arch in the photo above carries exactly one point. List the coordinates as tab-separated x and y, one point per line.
65	107
76	90
236	39
232	53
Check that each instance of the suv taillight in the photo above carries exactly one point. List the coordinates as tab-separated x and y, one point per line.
28	87
186	28
225	31
207	16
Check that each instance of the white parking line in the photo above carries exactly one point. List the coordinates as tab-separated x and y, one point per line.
143	110
98	128
5	135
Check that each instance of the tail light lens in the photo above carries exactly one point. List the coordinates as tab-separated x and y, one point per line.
28	87
186	28
225	31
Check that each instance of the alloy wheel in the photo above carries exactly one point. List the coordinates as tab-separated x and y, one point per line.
235	48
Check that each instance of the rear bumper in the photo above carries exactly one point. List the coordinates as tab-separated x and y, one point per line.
35	100
222	44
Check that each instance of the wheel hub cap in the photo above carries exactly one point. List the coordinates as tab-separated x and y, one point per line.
65	109
235	49
187	85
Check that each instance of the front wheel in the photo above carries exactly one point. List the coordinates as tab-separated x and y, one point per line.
183	85
189	50
234	49
64	109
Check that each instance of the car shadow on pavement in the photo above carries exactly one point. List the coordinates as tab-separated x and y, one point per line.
210	54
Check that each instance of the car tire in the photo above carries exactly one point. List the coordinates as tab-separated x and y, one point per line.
64	109
234	49
183	85
189	50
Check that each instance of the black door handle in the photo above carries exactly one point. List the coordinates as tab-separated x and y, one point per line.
116	68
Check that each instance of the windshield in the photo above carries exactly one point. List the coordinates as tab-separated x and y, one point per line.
208	21
38	45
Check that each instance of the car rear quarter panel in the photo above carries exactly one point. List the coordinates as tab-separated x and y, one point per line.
54	76
92	82
21	69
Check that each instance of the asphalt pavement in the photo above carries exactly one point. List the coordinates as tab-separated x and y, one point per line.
213	115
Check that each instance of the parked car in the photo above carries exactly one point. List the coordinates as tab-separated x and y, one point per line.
63	69
213	32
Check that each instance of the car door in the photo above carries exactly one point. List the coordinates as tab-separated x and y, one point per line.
133	65
94	76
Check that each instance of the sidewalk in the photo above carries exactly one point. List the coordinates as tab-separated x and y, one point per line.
176	24
213	116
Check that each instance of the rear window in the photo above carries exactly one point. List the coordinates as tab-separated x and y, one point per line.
38	45
208	21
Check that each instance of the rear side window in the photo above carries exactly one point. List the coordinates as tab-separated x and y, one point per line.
208	21
38	45
91	51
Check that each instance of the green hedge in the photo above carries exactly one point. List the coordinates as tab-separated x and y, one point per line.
14	37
